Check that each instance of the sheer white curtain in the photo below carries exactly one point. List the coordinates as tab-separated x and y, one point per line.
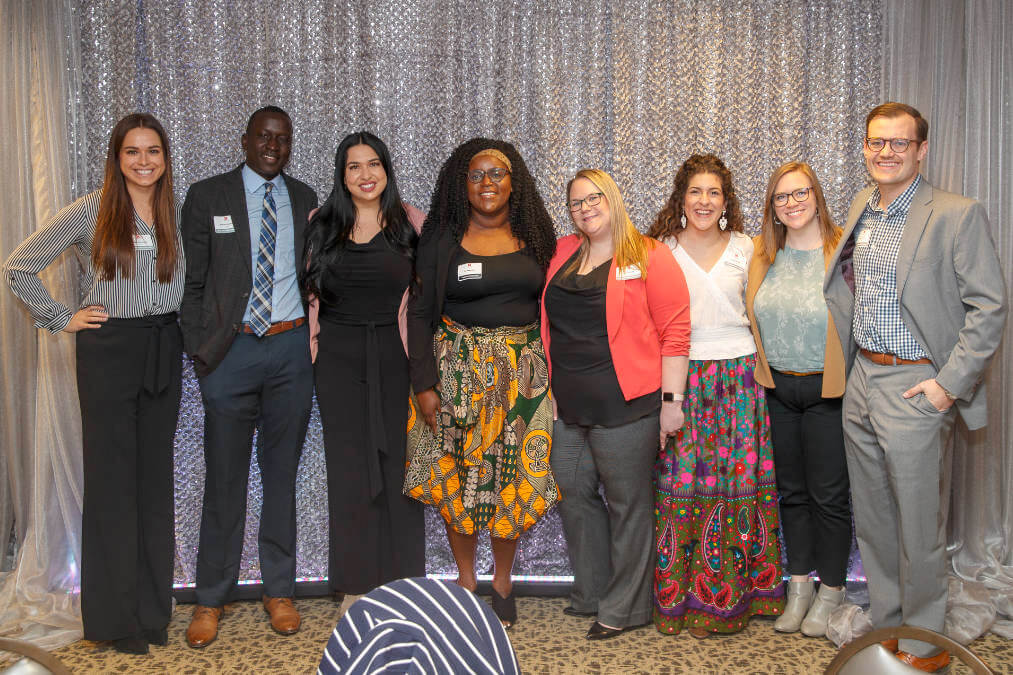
40	470
953	61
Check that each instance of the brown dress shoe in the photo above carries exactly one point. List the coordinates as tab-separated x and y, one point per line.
284	616
203	626
930	664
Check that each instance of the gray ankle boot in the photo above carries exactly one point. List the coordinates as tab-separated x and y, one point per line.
800	595
815	622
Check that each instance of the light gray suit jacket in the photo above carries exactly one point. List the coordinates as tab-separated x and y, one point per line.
951	290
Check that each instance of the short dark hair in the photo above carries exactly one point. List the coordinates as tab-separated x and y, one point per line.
266	109
894	109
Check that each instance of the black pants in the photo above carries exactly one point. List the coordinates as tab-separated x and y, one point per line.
264	384
812	476
129	384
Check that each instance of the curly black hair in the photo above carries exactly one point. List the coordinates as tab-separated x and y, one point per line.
450	209
668	224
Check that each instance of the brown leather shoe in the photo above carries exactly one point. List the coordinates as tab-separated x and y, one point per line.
930	664
284	616
203	626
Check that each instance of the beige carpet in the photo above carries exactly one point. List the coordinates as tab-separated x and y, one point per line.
545	639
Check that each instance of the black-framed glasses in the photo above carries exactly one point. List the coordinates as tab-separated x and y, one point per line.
799	195
896	144
495	174
593	199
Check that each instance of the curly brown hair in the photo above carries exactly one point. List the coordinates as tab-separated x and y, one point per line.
529	220
668	221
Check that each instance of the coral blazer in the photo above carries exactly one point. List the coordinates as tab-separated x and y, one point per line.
645	319
833	353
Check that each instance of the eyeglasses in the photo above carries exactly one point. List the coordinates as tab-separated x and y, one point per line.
495	174
896	144
799	195
592	199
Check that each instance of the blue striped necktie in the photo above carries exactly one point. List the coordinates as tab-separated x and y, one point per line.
263	280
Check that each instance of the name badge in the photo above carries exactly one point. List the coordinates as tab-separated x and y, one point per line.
223	225
468	271
864	237
736	260
144	242
627	273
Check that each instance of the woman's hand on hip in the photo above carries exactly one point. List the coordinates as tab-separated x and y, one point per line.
92	316
429	405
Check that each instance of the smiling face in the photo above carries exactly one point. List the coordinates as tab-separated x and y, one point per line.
486	196
365	176
796	215
268	144
894	171
142	158
595	222
704	201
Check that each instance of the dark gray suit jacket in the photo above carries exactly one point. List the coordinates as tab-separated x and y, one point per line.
950	285
219	275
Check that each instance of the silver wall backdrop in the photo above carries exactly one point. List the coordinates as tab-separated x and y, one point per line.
631	87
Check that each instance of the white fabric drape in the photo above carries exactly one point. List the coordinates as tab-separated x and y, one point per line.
953	61
40	468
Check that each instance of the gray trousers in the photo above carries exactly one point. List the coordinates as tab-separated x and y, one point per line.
611	548
897	461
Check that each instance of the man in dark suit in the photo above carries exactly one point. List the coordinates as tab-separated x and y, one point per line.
918	299
244	326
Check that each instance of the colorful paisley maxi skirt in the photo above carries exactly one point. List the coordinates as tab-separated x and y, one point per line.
716	520
488	467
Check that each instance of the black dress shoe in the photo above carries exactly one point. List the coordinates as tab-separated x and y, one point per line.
600	632
570	611
135	644
156	636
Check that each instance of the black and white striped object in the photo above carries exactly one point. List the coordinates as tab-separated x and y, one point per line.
74	226
419	626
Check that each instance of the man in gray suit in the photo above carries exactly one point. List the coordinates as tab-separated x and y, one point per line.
918	298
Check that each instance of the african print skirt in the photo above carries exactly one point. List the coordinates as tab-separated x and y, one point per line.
716	522
488	466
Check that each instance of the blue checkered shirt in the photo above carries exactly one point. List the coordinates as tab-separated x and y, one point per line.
877	324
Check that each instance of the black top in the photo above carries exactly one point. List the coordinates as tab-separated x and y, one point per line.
366	283
584	380
493	290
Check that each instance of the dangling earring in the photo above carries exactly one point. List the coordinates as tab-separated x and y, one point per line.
723	222
682	219
777	221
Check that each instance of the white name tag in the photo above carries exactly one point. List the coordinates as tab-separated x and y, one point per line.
864	237
144	242
223	225
627	273
736	260
467	271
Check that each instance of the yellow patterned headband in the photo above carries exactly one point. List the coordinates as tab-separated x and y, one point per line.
493	152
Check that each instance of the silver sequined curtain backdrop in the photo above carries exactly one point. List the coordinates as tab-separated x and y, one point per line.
631	87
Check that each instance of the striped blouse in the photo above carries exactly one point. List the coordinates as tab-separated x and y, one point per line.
123	298
419	626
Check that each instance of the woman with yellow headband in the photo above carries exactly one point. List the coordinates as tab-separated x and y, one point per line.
480	432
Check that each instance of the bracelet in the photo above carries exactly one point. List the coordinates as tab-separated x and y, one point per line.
669	397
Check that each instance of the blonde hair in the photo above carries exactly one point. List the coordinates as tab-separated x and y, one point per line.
629	246
774	233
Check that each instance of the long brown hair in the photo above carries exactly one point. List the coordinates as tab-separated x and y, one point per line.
113	248
773	233
630	247
668	223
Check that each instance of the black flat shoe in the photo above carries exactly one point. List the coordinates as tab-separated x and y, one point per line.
135	644
570	611
505	608
156	636
600	632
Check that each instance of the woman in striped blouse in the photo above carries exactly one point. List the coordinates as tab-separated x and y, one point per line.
129	363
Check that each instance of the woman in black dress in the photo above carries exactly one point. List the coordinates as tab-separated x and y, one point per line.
359	265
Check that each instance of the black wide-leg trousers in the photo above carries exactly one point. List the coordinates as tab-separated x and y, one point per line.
129	384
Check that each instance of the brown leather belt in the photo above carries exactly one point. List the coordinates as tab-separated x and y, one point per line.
891	360
276	328
794	374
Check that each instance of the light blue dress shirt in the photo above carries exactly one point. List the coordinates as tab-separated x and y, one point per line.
286	303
